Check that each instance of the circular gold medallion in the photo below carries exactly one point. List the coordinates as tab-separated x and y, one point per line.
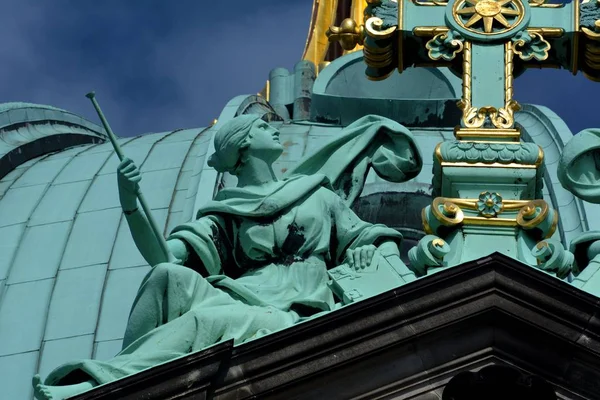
488	17
487	8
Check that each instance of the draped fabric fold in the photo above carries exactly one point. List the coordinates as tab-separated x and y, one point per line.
370	142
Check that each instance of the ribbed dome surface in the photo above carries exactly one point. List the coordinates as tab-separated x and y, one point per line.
68	266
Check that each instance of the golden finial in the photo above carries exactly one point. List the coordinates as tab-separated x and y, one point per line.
349	34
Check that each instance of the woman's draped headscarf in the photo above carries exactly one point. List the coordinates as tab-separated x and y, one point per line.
230	140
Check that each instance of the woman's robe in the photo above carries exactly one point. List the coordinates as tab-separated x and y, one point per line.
258	263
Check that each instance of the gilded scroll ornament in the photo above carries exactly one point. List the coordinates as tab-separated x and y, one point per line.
504	117
445	46
486	211
473	117
377	29
379	54
532	214
446	212
529	45
539	215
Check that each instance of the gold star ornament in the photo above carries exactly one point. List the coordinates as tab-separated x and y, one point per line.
488	16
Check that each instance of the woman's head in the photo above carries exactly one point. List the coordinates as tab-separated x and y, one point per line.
236	138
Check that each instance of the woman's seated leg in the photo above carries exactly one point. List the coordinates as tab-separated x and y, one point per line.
240	322
167	292
195	330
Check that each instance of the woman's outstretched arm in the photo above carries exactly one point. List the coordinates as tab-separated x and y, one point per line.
128	178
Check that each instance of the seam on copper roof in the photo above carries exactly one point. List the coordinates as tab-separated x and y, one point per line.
188	154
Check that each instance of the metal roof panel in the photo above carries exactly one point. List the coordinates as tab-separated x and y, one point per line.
40	252
79	291
92	238
23	314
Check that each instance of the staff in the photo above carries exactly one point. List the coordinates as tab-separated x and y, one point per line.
155	229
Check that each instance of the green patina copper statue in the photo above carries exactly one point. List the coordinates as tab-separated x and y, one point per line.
256	260
579	172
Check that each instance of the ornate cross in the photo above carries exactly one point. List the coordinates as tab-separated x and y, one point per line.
488	42
490	34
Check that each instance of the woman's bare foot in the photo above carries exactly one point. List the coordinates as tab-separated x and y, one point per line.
47	392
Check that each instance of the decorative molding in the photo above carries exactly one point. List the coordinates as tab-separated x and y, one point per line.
484	211
522	154
490	134
356	349
504	117
429	31
472	118
529	45
445	46
489	204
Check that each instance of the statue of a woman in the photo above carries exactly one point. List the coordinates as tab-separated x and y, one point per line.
579	172
254	262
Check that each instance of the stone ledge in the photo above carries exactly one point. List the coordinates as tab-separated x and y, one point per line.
407	342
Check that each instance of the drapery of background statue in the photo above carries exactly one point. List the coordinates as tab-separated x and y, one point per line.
370	142
256	260
579	172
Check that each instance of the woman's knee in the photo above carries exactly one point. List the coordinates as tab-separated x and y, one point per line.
159	272
164	273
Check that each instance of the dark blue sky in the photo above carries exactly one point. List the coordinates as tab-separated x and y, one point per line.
162	65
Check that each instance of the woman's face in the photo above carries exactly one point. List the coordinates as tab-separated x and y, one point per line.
265	141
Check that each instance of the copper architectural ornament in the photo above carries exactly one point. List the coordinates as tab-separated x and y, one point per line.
349	34
497	16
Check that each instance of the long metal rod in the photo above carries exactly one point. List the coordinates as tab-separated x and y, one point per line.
113	139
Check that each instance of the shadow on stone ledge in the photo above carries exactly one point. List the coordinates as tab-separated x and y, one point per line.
407	343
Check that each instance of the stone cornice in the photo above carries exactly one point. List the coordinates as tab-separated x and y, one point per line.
406	341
